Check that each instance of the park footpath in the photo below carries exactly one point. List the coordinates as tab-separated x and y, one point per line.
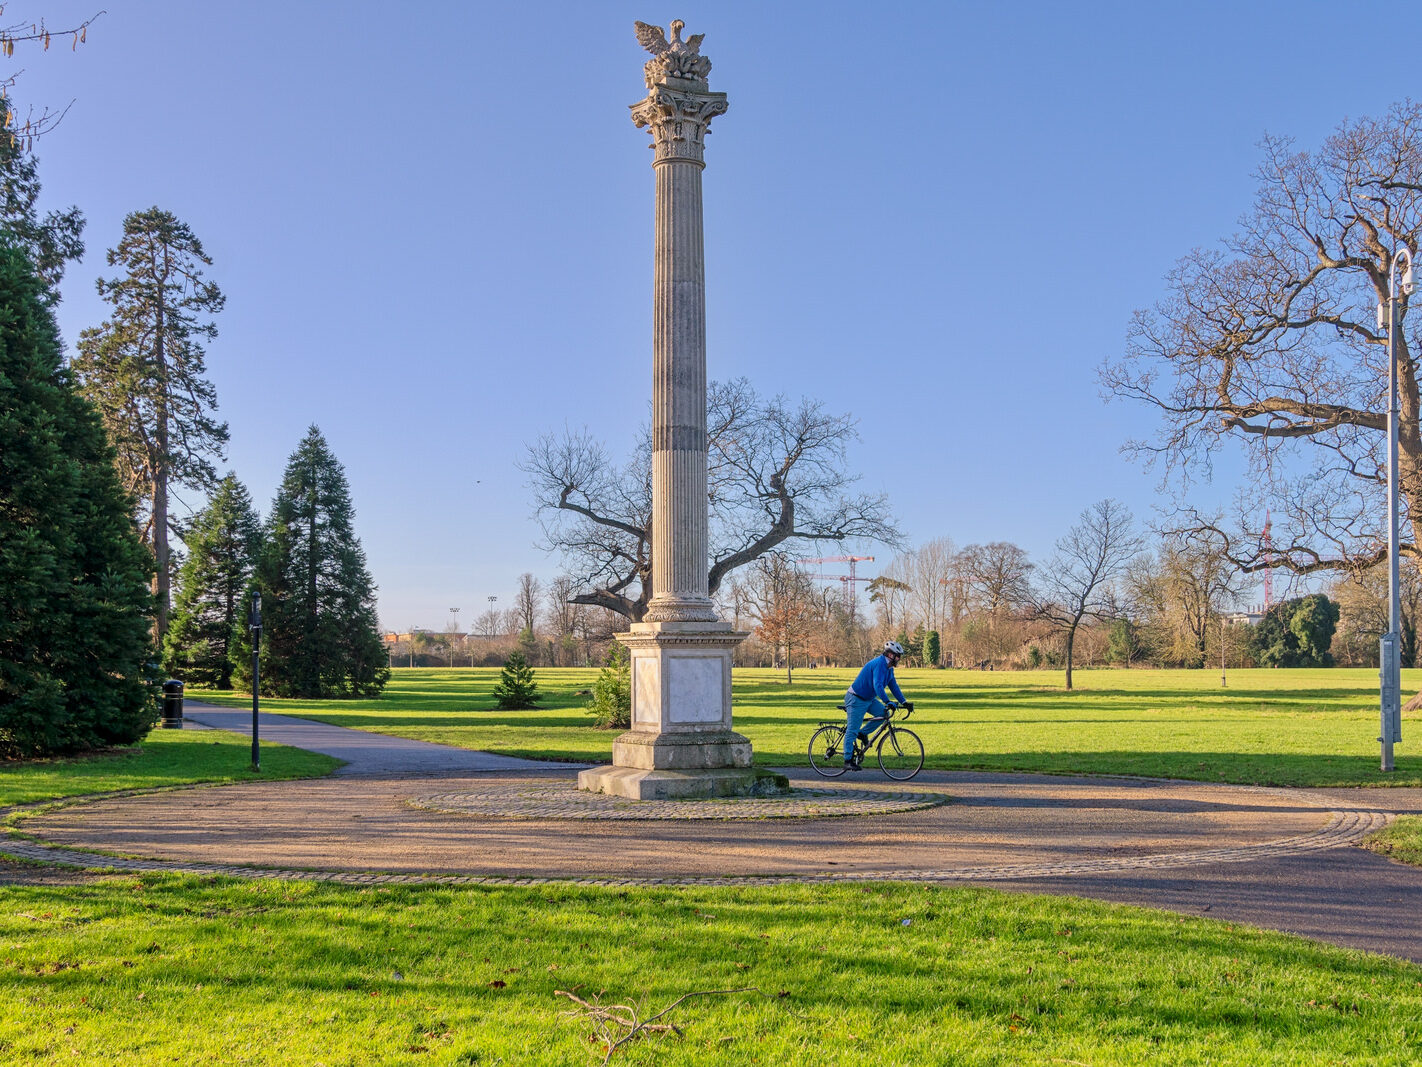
403	811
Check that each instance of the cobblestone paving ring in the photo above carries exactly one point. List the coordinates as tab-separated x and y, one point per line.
567	801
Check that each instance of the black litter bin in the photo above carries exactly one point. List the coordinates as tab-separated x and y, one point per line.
172	704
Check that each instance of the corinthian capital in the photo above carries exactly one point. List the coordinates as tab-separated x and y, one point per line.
678	120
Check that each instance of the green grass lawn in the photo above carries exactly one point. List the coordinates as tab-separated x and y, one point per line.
1401	840
180	970
125	970
165	758
1267	727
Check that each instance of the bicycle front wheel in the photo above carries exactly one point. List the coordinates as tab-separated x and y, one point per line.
826	751
900	754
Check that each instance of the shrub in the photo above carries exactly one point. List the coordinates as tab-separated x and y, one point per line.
611	704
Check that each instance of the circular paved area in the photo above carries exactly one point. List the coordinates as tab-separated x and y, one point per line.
407	812
996	826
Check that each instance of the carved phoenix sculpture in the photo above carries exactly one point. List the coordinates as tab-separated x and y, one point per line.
675	59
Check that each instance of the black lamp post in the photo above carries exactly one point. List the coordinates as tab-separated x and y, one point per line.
256	622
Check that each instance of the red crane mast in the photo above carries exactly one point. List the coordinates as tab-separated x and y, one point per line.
848	580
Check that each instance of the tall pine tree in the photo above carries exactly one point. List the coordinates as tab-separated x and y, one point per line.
320	636
143	370
74	646
210	607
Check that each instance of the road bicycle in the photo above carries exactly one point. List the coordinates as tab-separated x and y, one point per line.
899	750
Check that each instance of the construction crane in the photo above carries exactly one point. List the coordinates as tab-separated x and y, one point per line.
847	580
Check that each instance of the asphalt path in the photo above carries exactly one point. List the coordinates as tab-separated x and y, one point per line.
1284	859
364	753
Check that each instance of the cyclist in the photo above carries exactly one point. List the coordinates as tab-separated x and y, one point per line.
867	696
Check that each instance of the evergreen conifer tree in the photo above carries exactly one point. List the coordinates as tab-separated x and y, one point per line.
320	634
211	605
143	370
516	688
74	645
49	241
932	649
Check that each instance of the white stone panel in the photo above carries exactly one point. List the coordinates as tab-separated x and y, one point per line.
646	691
694	688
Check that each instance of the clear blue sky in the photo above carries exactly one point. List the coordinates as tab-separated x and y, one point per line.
433	224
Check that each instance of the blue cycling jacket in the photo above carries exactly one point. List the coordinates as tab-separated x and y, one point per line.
871	681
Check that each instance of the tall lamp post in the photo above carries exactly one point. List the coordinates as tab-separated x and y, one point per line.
1390	648
256	622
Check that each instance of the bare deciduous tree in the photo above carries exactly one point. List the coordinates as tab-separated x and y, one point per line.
1077	580
776	476
998	577
563	619
1271	343
22	133
1183	591
1363	605
783	601
526	601
935	575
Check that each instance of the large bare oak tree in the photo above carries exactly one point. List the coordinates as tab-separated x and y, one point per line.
1270	343
776	476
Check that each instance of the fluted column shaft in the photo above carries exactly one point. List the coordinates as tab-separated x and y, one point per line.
679	506
679	117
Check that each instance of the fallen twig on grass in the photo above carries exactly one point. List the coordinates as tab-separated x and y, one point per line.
617	1024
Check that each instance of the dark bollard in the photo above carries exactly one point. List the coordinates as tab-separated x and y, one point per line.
172	704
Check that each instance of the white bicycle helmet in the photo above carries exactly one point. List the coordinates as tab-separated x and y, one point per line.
894	647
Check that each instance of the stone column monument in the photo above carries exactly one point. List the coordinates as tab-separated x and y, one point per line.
681	743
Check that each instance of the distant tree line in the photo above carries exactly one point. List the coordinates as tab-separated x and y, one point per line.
1110	595
544	625
1107	596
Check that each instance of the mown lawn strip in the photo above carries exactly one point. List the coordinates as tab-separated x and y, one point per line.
1267	727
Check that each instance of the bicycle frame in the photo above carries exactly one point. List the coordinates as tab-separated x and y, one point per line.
886	731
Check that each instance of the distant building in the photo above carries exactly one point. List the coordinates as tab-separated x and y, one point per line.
400	639
1253	616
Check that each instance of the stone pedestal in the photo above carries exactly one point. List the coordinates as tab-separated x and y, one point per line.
681	743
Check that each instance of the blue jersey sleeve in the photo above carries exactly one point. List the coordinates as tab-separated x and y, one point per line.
894	685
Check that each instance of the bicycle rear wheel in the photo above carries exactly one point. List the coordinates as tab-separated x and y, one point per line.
826	753
900	754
